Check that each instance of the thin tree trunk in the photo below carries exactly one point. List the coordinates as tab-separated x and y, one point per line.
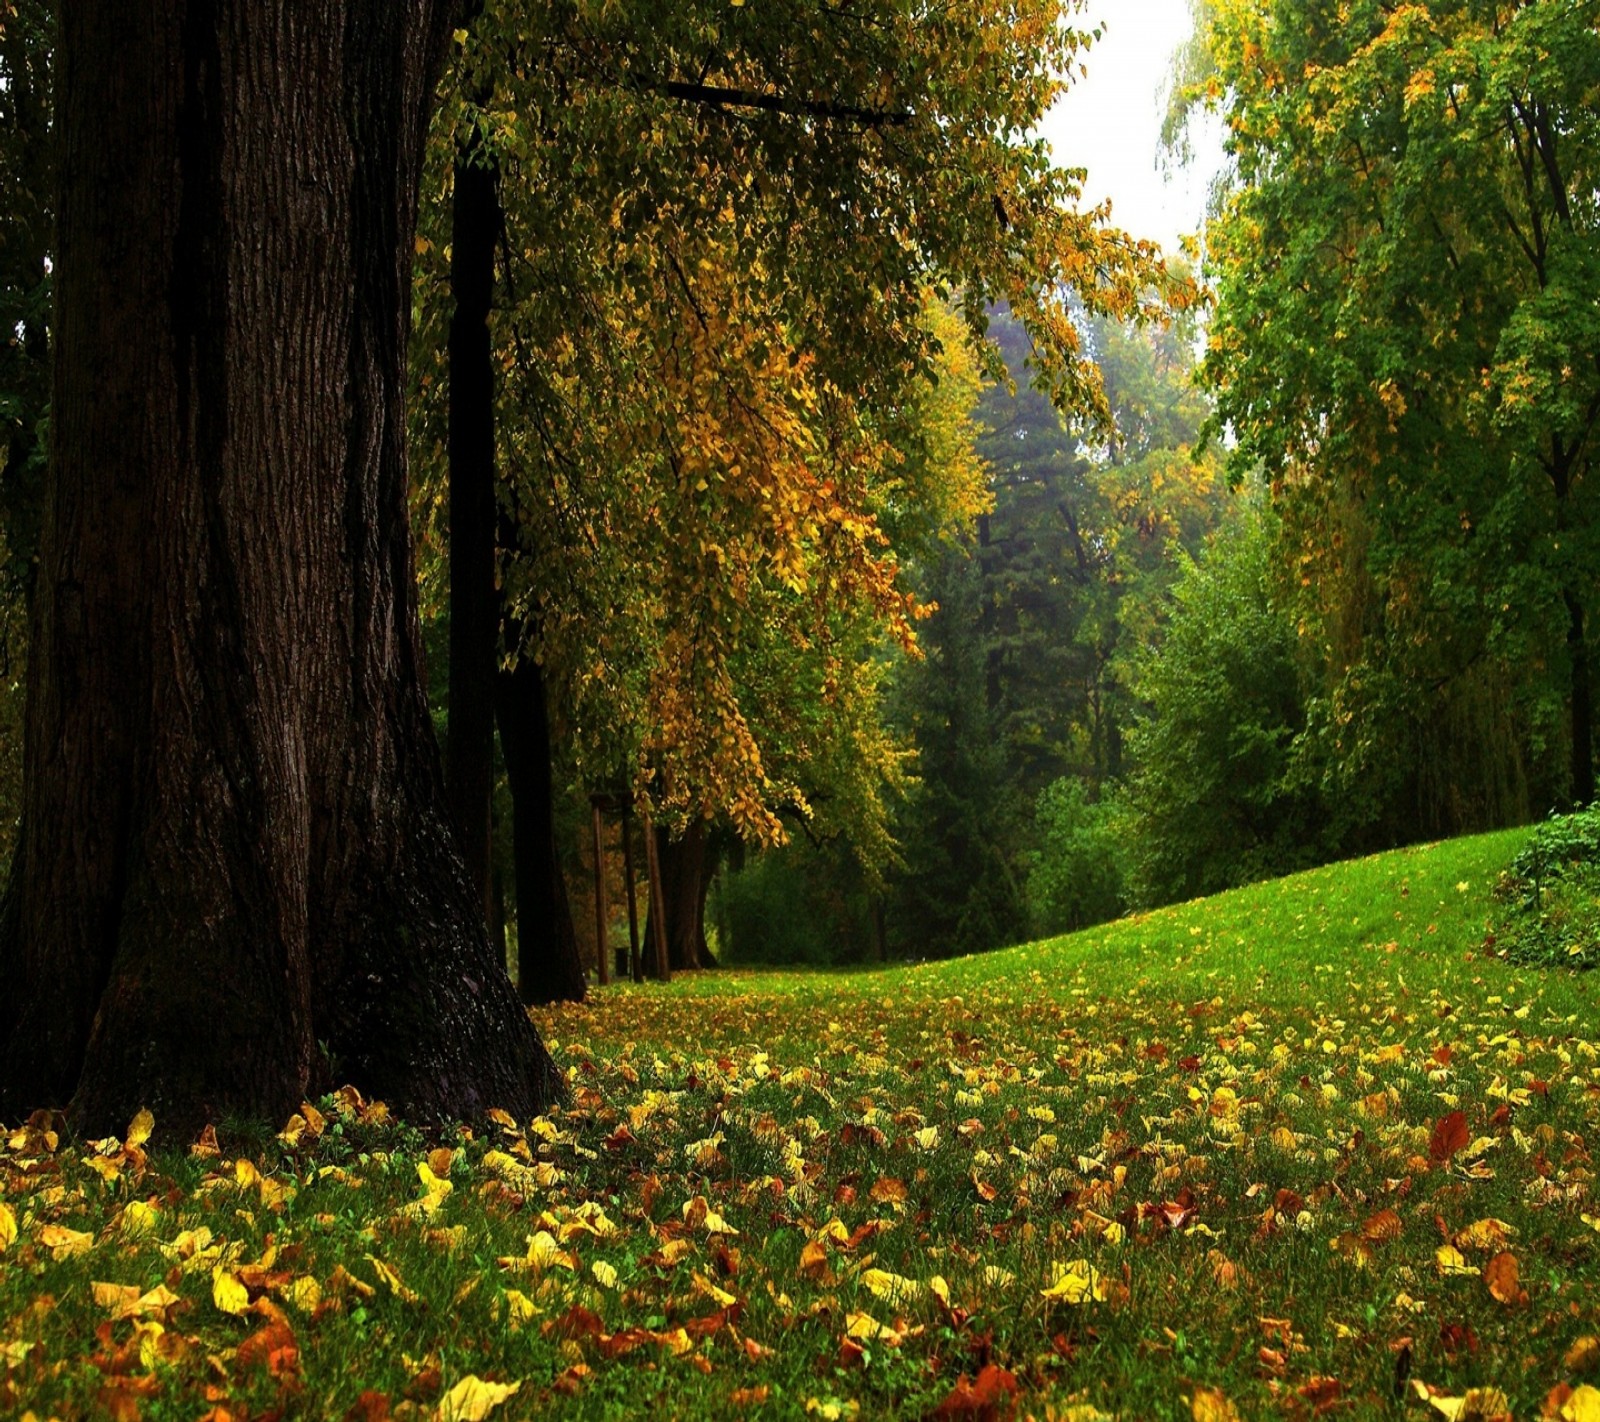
1582	698
660	964
474	602
237	845
630	878
602	916
549	966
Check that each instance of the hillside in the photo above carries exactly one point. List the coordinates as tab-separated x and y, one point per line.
1301	1148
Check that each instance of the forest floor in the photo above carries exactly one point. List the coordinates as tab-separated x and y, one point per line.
1303	1149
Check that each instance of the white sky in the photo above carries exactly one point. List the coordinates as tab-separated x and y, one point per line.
1110	122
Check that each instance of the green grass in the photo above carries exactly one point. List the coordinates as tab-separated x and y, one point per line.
1263	1070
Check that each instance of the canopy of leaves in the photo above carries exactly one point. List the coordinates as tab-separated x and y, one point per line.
1406	339
720	422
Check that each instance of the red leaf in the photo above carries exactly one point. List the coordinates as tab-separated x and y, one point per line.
1449	1136
985	1400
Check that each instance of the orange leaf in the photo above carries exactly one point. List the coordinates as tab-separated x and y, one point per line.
1384	1225
1503	1276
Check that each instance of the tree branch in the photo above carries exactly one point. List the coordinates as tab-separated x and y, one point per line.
719	96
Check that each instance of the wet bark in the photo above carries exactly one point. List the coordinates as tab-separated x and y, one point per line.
549	966
474	601
237	845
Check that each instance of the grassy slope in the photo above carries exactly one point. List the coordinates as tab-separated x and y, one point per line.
1276	1053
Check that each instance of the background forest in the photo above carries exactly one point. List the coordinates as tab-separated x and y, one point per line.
918	647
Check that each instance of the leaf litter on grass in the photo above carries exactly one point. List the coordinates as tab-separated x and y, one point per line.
1242	1158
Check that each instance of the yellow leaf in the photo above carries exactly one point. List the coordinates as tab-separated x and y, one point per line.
125	1300
63	1243
113	1296
940	1289
227	1293
386	1275
927	1138
293	1130
520	1309
139	1218
543	1253
1583	1354
1075	1283
699	1215
305	1293
1452	1261
8	1227
1485	1234
1582	1406
604	1274
864	1325
139	1130
896	1288
1478	1404
1210	1404
472	1399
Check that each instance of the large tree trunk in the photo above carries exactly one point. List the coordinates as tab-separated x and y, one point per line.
549	967
684	884
474	602
237	847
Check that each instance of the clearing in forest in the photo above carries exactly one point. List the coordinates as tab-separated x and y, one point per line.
1303	1149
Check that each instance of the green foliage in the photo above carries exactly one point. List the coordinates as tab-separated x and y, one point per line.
1552	895
746	268
1214	799
961	830
799	904
1076	878
1025	681
1406	269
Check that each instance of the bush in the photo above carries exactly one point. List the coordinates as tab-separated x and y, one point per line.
1552	893
796	905
1076	878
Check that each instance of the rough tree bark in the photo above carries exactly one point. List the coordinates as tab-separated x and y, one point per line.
549	966
237	846
474	601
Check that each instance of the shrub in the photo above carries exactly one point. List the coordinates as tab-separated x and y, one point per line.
1076	877
1552	894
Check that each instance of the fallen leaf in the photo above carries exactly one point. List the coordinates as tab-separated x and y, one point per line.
896	1288
139	1130
1503	1276
63	1243
1075	1283
982	1397
227	1293
1449	1135
1582	1406
472	1399
1211	1404
1583	1354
